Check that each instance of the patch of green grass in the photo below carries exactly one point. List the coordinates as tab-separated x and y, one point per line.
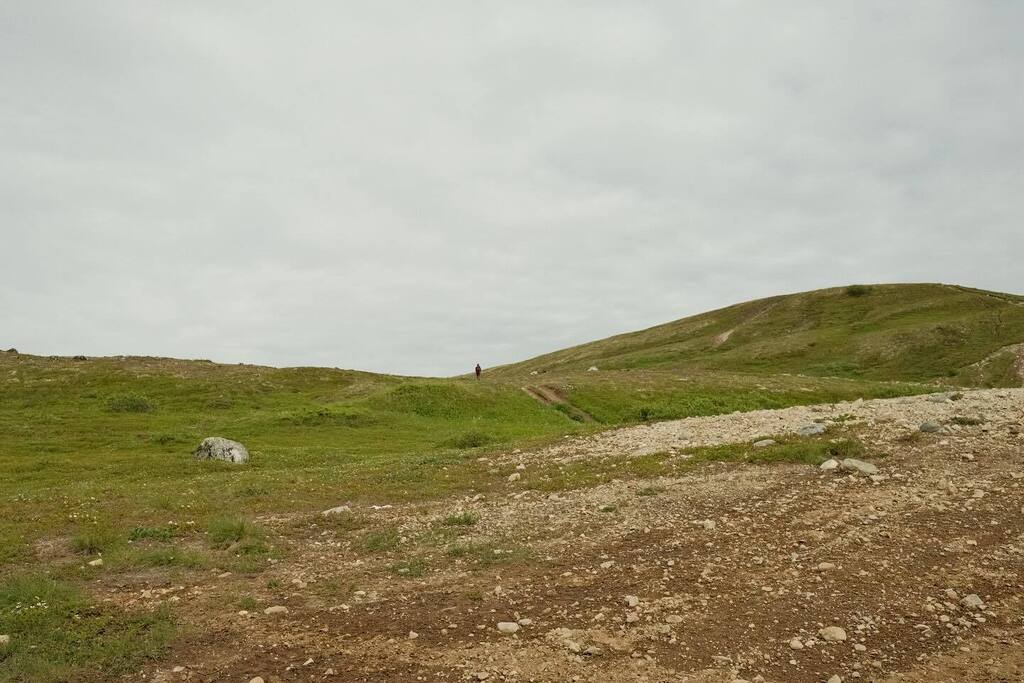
247	602
607	508
180	558
650	490
226	531
168	439
470	439
460	519
93	540
487	554
411	568
809	450
380	541
130	403
164	533
57	634
344	522
252	491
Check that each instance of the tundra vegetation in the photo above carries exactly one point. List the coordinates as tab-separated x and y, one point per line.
97	466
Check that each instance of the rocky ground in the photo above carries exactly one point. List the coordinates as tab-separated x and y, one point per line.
727	572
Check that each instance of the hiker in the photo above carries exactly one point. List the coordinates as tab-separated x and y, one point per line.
478	371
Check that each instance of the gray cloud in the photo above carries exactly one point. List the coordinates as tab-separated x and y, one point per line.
398	187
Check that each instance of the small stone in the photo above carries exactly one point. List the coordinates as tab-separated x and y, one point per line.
796	644
515	476
257	679
811	429
673	619
973	601
764	443
859	647
632	600
855	465
608	564
835	679
824	567
98	562
276	609
177	669
481	675
413	635
508	627
930	427
829	465
832	634
341	509
708	524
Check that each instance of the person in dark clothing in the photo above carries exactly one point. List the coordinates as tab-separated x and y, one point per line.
478	371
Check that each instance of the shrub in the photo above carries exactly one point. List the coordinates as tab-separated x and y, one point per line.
130	403
380	541
471	439
858	290
410	568
460	519
152	533
228	531
93	540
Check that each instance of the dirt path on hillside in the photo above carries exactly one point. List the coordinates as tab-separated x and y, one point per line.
778	573
551	396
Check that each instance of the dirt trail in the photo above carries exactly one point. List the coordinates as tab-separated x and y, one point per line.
720	339
551	396
729	572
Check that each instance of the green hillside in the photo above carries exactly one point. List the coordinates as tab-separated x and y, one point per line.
914	332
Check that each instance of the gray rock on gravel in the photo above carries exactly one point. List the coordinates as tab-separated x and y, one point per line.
508	627
219	448
829	465
973	601
855	465
811	429
930	427
832	634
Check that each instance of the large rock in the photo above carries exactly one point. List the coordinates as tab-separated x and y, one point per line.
811	429
855	465
219	448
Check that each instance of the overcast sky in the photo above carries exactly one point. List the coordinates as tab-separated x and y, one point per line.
414	187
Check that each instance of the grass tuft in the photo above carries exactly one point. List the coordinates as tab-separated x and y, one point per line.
130	403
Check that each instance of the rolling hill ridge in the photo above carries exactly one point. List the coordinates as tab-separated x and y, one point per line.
903	332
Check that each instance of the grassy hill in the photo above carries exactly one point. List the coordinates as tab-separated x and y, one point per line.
917	332
96	452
